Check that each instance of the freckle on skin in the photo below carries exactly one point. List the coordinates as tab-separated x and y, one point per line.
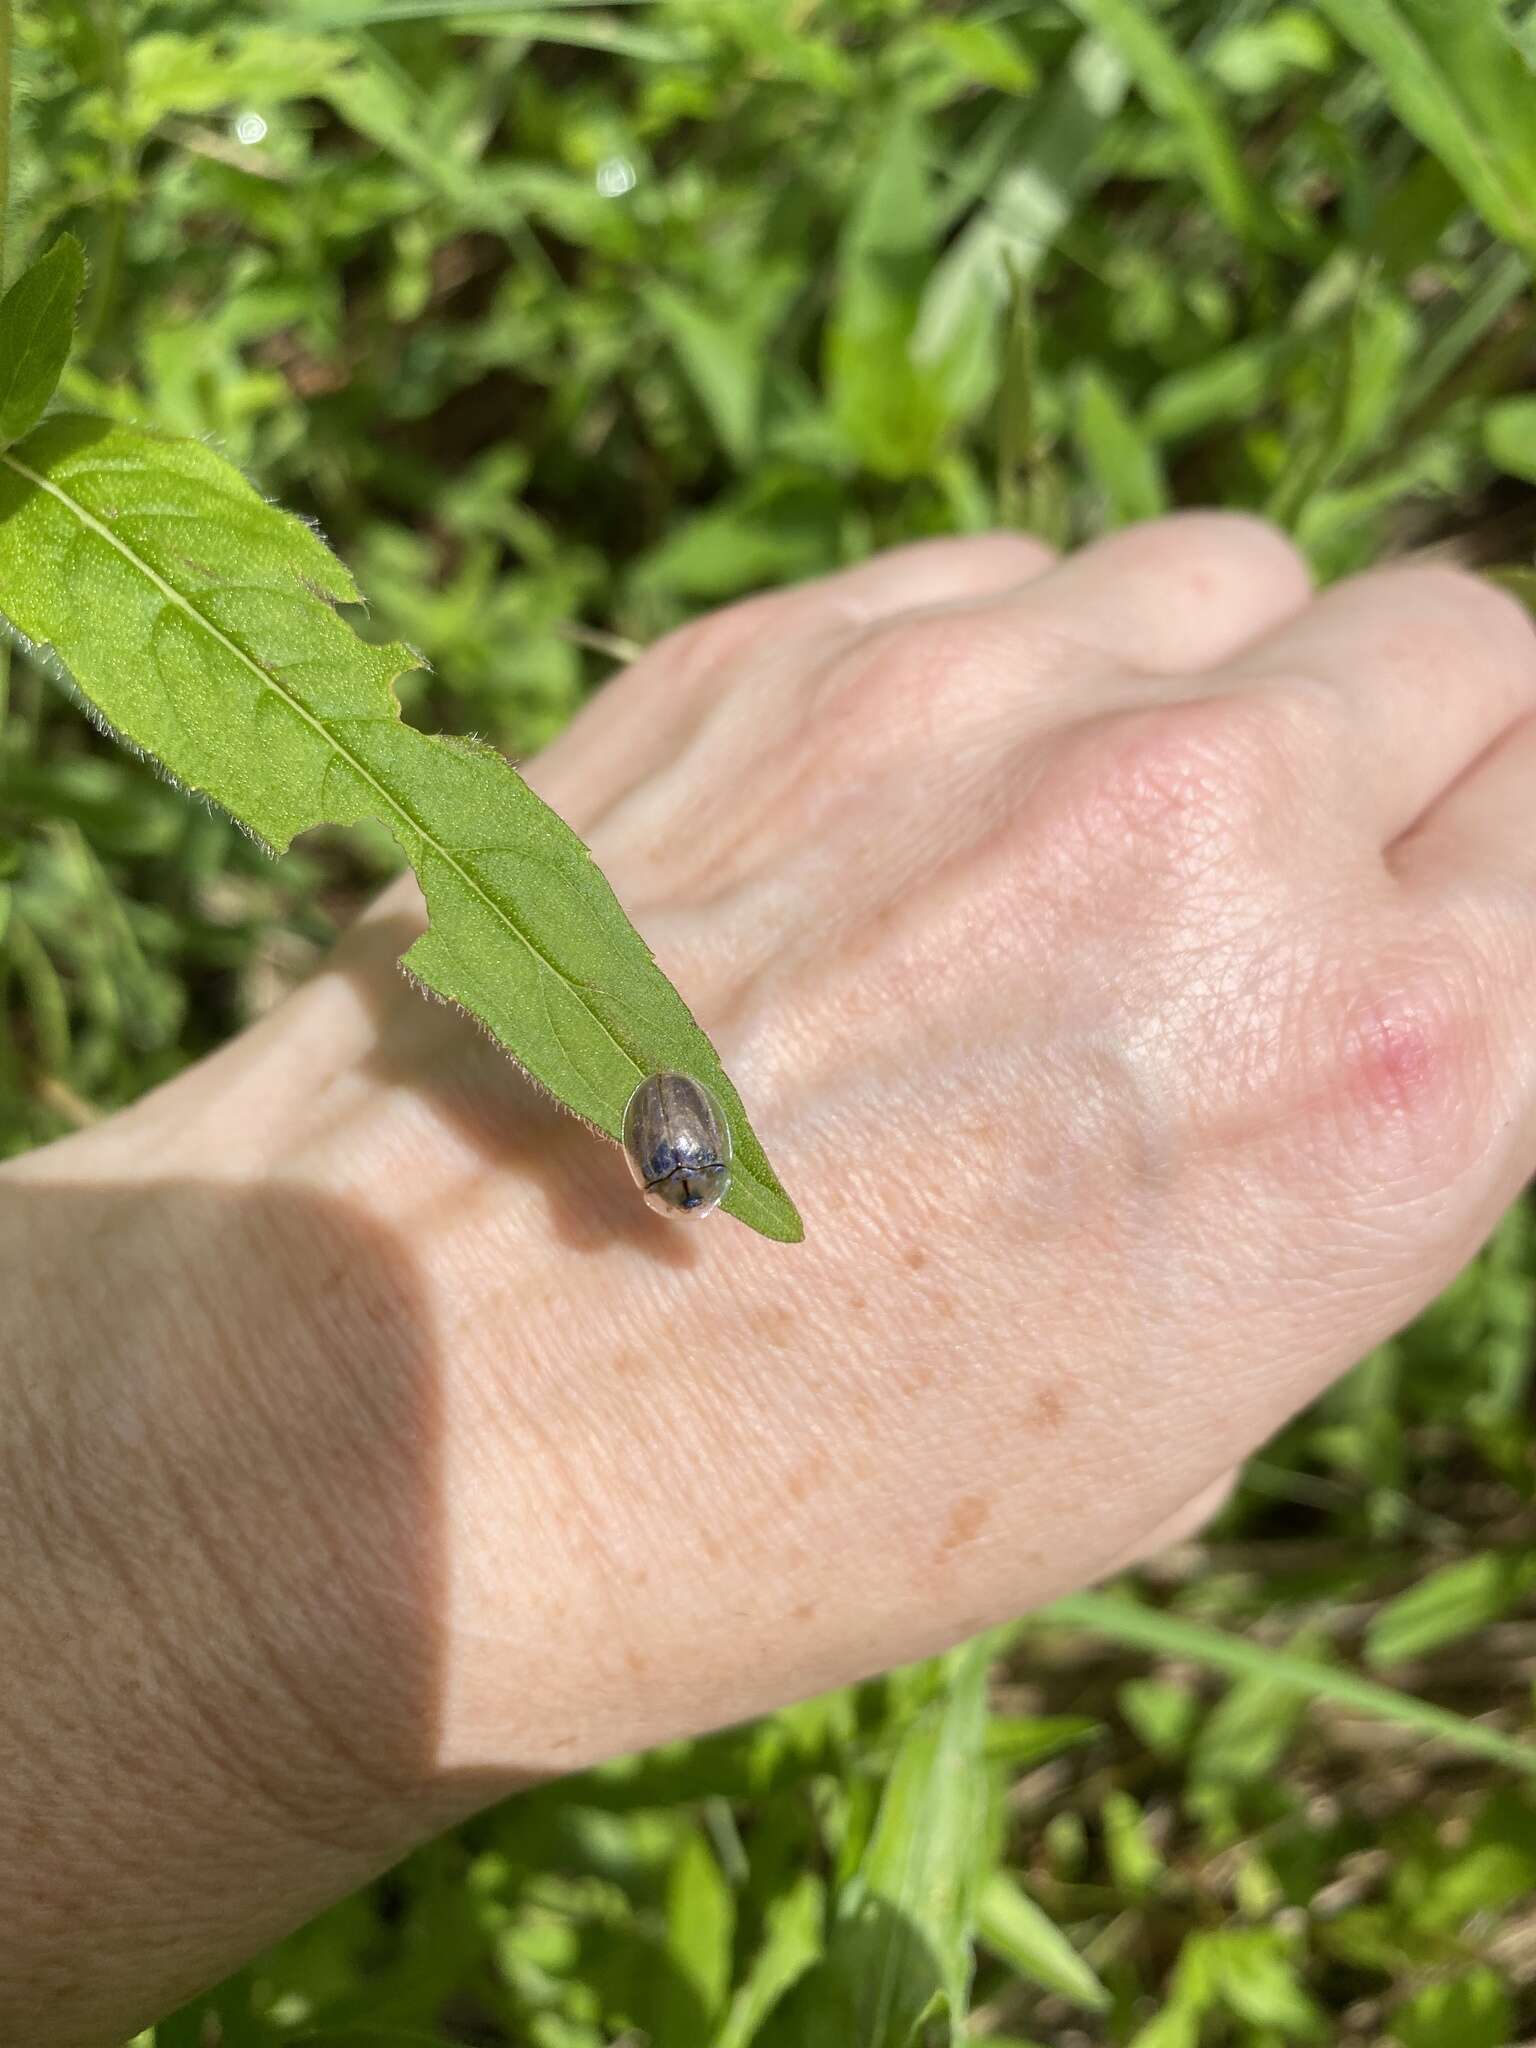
806	1611
1050	1410
967	1518
915	1257
776	1326
635	1664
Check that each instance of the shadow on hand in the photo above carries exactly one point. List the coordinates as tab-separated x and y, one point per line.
233	1498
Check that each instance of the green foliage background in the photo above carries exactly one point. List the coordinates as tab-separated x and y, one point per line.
566	321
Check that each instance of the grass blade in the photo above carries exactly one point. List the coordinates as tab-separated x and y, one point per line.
1146	1628
1458	79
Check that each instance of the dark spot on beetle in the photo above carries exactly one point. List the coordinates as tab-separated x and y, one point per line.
775	1325
967	1518
915	1257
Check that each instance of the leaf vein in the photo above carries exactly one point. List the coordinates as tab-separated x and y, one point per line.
175	598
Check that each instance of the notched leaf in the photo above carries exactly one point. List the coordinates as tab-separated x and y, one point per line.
248	686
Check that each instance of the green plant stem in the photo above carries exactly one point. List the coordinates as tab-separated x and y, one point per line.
7	37
113	220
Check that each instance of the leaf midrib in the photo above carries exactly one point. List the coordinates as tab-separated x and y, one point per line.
266	676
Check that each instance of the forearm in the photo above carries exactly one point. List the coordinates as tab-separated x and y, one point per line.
202	1738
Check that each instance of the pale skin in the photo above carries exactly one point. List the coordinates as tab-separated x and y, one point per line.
1129	964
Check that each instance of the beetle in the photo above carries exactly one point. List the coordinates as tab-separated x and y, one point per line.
678	1145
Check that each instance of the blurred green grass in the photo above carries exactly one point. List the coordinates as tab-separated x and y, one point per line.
566	321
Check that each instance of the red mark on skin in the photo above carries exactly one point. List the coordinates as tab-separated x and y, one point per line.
857	1304
920	1379
1394	1054
1410	1069
967	1518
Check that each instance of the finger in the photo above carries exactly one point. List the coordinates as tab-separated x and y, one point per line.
1175	595
1420	669
950	570
1478	836
643	715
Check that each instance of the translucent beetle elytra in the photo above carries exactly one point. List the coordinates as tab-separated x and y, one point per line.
678	1145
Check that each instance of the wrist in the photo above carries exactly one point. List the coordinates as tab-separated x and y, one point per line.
205	1726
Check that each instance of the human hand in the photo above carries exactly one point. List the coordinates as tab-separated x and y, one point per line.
1128	965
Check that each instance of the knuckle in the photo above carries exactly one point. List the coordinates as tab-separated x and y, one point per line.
1176	790
692	650
1449	615
1399	1066
897	678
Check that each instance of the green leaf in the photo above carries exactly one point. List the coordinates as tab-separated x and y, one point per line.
894	402
1058	160
1132	1854
199	621
1175	91
1449	1603
1509	435
1121	460
1029	1941
701	1917
1148	1628
792	1941
900	1949
724	362
1246	1733
1470	2011
1459	80
37	325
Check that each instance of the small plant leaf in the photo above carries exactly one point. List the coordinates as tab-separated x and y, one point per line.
899	1955
1451	1602
37	325
1457	77
1175	91
1029	1941
199	621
